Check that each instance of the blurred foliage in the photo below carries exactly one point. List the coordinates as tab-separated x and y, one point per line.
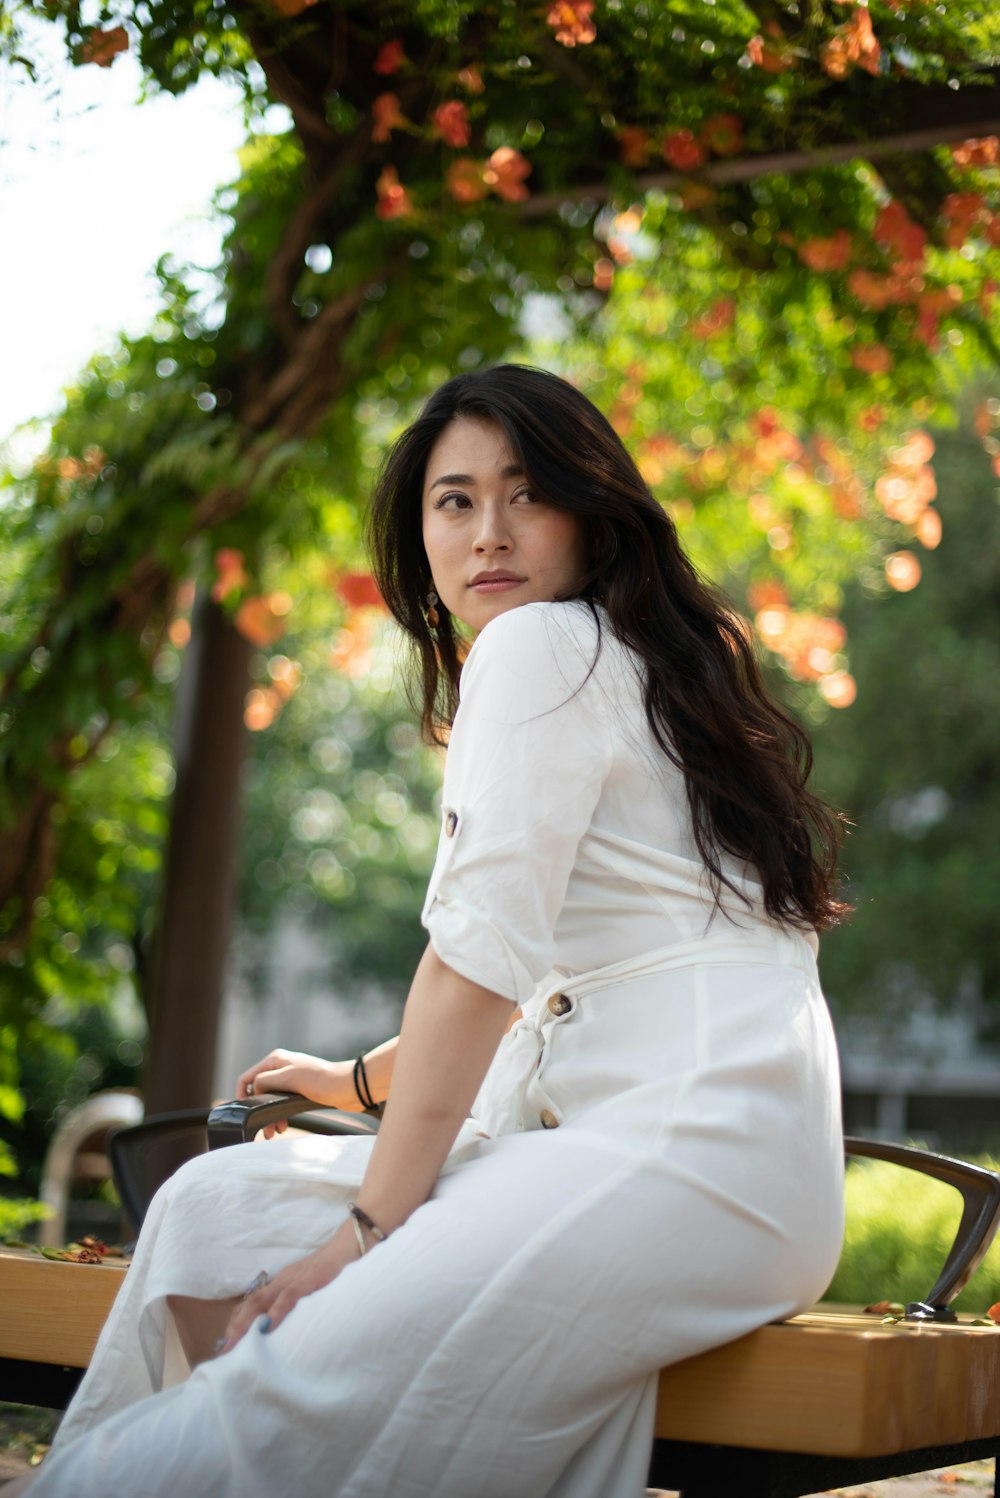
900	1227
341	818
916	762
16	1213
770	341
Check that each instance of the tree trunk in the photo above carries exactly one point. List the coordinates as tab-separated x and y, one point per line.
191	942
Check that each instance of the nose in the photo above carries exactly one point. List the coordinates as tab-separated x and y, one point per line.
492	533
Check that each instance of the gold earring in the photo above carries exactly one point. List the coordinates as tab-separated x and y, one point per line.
432	616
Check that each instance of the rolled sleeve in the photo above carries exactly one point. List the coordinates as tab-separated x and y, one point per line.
529	752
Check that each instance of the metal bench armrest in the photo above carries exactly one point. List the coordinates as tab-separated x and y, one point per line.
239	1119
980	1191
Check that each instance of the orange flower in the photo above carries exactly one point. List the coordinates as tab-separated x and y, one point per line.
570	19
387	116
902	571
839	688
604	274
827	254
871	290
719	316
895	228
983	422
929	529
464	180
908	485
451	122
102	47
635	146
683	151
853	45
505	173
262	620
263	704
984	151
471	80
916	451
962	212
767	594
230	575
390	57
872	358
393	198
931	307
871	418
359	590
723	134
619	251
774	56
807	643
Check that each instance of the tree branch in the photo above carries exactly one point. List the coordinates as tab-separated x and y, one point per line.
786	163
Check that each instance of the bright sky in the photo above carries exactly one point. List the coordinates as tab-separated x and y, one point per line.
93	189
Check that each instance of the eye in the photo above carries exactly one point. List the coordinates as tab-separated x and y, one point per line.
525	496
453	501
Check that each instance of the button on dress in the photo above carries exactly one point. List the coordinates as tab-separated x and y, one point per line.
653	1166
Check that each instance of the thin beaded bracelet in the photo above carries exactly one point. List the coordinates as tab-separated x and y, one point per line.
360	1219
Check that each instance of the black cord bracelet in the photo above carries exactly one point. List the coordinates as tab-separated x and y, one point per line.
361	1087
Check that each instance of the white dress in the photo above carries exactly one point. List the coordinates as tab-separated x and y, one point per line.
654	1164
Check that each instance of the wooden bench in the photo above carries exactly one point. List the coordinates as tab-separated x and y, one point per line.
828	1398
825	1399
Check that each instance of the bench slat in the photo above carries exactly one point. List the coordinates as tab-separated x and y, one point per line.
836	1383
52	1311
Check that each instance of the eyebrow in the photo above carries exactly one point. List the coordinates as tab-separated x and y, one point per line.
512	471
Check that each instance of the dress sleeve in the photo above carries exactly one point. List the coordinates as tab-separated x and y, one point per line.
529	751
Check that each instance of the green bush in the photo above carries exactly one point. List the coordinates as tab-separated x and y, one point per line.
16	1213
900	1226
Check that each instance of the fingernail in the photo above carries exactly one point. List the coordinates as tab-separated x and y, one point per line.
265	1325
222	1343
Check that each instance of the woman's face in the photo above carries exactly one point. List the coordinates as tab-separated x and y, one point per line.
491	543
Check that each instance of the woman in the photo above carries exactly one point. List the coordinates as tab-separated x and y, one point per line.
621	965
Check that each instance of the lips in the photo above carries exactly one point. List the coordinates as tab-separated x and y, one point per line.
495	582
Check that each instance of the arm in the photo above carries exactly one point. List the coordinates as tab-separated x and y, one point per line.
329	1083
451	1030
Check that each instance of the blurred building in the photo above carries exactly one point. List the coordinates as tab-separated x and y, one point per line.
926	1077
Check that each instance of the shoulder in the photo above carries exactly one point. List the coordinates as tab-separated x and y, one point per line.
538	656
540	635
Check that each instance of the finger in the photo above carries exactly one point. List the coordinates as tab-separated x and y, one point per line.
280	1308
277	1079
266	1063
245	1315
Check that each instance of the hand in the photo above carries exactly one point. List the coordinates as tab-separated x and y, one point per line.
330	1083
275	1300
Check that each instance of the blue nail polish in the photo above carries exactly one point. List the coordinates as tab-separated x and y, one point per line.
265	1325
222	1342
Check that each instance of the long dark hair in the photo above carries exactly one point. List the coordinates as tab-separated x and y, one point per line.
745	761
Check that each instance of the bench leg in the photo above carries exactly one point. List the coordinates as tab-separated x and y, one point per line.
714	1471
701	1471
